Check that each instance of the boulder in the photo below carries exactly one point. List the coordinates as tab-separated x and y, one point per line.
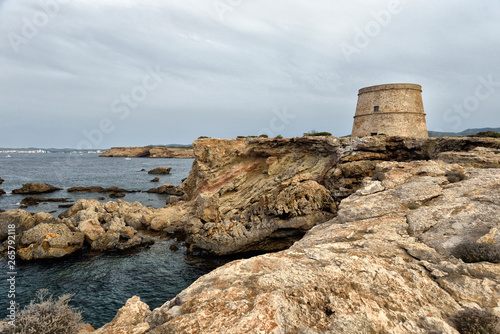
91	229
117	195
156	179
20	218
160	170
1	180
35	188
46	241
2	192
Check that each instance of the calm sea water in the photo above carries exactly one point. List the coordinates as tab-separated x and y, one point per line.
100	284
75	170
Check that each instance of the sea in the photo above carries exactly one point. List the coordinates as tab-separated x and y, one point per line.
99	284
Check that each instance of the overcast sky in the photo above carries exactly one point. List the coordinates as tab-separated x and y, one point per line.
102	73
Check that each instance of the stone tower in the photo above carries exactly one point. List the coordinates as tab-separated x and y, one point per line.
392	109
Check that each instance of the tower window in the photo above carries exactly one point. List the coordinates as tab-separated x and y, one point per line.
376	108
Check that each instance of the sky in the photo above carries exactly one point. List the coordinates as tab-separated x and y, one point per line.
102	73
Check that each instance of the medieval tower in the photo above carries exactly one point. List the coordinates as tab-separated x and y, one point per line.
393	110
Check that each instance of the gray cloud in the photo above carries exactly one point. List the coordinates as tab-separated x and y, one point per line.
230	68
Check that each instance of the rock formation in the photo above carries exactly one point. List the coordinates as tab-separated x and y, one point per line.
2	192
31	200
150	152
167	189
382	265
1	180
97	189
160	170
102	226
35	188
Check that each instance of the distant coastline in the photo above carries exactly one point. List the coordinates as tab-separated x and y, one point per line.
179	152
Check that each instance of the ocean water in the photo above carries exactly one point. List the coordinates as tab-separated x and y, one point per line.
74	170
100	284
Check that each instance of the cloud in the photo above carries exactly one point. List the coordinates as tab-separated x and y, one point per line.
227	66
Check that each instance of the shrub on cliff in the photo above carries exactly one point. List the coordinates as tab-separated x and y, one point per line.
471	252
314	133
47	316
474	321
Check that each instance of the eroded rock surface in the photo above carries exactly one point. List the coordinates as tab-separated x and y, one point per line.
383	265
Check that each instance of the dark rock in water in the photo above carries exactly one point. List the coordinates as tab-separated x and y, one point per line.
100	198
65	206
31	200
167	189
91	189
117	195
35	188
174	248
1	180
156	179
143	170
2	192
160	170
97	189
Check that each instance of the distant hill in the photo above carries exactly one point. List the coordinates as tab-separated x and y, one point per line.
464	133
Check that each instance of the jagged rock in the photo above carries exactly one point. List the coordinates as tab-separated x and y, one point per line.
20	218
91	229
130	319
2	192
160	170
156	179
167	189
31	200
46	241
35	188
106	241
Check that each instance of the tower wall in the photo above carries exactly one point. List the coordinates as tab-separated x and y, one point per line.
393	110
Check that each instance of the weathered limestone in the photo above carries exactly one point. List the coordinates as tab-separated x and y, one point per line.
372	269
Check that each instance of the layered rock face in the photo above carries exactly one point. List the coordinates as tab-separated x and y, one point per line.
149	152
244	193
383	265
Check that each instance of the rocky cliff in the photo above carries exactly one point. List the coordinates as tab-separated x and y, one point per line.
149	152
386	263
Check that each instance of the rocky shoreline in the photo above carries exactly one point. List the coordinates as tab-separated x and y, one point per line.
382	215
150	152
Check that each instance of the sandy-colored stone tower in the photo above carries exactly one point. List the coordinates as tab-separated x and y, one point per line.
392	109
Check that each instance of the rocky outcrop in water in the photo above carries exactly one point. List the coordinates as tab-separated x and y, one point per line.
1	180
97	189
102	226
160	170
384	264
32	200
35	188
167	189
2	192
150	152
